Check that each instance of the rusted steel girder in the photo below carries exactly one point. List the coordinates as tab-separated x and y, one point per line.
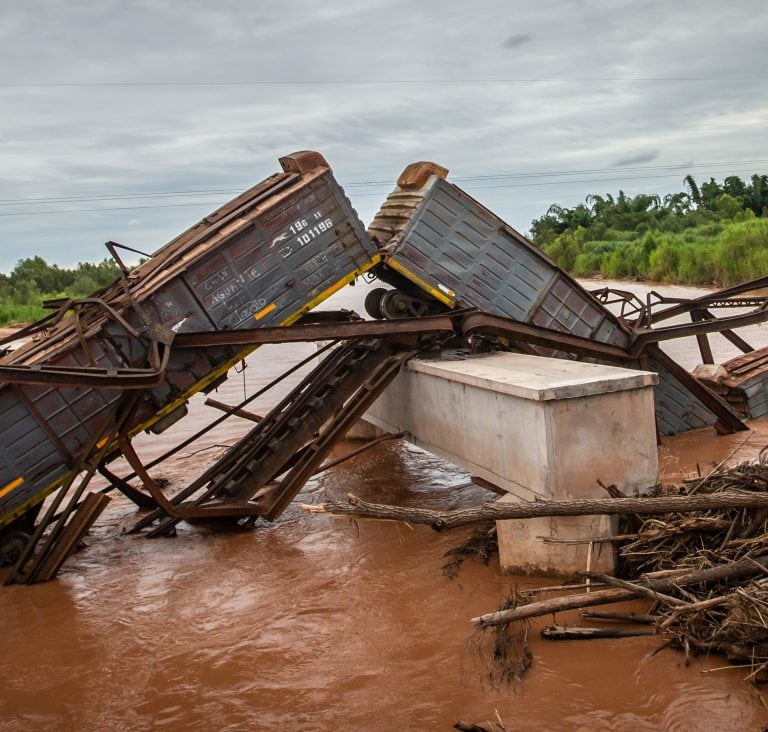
285	442
728	420
182	510
128	378
481	323
632	308
644	336
95	377
431	325
725	297
737	341
190	490
84	516
273	499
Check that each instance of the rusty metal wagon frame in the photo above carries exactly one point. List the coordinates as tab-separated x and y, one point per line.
266	258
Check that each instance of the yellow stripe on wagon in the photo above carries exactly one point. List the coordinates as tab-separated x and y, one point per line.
443	297
13	484
266	311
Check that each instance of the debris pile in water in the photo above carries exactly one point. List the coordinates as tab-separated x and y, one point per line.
730	616
705	573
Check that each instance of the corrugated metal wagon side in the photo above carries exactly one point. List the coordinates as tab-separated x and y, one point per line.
264	259
438	240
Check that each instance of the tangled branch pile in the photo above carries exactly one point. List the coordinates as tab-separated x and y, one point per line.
730	616
706	573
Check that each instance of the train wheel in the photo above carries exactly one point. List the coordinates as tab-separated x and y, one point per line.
396	305
373	302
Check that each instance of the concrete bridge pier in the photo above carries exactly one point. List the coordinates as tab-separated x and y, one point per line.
536	428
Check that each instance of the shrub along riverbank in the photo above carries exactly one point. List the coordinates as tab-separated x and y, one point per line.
716	233
719	252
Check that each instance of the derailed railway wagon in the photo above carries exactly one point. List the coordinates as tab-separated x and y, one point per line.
442	248
104	367
127	359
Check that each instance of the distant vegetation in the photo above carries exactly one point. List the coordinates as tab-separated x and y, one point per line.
713	233
34	280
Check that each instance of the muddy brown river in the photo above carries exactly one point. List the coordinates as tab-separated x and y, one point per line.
322	623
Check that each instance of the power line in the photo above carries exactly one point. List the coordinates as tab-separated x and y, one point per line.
463	179
361	82
218	203
117	208
553	183
587	171
566	182
114	196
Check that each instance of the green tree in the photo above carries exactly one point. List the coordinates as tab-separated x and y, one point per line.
728	205
693	189
47	278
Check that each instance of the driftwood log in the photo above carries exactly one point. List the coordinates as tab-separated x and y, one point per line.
641	618
745	568
444	520
557	632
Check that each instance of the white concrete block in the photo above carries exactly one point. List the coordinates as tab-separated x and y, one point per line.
557	546
537	428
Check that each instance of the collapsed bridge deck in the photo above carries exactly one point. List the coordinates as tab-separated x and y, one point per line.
100	370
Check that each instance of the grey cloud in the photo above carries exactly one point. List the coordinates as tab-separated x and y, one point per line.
516	40
635	158
73	141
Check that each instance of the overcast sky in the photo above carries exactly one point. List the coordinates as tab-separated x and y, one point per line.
598	94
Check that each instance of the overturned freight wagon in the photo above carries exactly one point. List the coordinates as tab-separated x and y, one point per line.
102	369
742	382
443	249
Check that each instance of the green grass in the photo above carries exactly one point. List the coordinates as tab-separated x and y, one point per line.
723	254
11	313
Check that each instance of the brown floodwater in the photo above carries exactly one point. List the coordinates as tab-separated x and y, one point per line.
318	623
